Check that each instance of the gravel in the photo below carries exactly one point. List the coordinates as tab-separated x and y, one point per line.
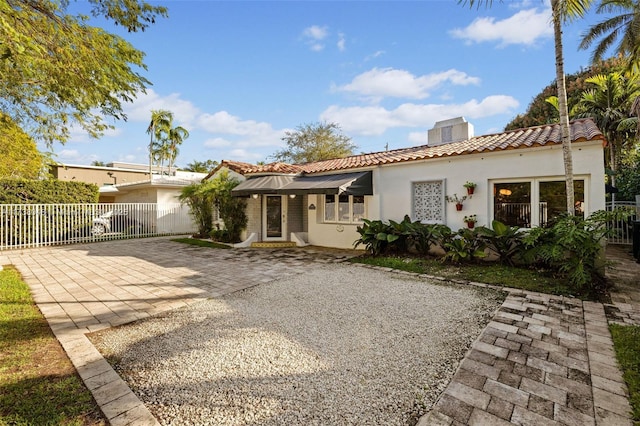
338	345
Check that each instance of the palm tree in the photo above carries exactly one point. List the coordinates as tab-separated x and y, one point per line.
609	101
176	136
624	26
562	11
160	124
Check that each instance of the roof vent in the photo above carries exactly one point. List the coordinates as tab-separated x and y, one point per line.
452	130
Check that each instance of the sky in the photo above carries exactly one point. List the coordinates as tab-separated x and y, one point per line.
239	74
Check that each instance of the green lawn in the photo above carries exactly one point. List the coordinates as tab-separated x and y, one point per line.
626	341
489	273
38	383
200	243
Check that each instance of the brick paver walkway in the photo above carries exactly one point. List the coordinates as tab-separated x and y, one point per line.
543	360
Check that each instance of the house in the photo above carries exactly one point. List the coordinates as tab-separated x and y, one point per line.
129	182
519	177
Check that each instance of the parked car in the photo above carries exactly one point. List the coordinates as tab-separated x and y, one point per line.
116	221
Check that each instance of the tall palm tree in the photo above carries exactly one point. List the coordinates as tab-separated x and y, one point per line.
160	124
562	12
176	136
623	26
609	101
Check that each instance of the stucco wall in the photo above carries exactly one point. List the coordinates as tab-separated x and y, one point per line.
143	195
393	186
254	215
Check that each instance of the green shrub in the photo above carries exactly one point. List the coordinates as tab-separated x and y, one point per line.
22	191
463	246
504	240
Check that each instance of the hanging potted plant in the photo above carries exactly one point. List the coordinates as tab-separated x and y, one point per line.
471	186
470	220
457	200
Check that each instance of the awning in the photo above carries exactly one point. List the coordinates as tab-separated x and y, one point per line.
345	183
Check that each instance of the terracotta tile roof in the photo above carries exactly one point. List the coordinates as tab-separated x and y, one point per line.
283	168
581	130
236	166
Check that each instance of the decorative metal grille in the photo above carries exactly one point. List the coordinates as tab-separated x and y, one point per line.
428	201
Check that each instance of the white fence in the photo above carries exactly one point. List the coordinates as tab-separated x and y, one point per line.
622	229
37	225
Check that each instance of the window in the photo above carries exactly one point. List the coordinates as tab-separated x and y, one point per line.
344	208
513	202
428	201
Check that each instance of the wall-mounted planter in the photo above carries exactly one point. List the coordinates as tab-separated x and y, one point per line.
459	206
471	186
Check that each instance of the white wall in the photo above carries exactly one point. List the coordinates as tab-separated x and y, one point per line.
393	186
395	181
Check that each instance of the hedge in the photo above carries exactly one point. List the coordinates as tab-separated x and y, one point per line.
21	191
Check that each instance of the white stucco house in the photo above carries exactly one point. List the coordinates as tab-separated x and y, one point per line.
519	177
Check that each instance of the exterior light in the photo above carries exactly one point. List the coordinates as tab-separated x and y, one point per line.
505	192
254	196
292	196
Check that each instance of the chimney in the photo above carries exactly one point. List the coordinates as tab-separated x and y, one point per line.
452	130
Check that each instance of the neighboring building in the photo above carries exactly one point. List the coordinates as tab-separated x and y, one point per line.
519	176
129	182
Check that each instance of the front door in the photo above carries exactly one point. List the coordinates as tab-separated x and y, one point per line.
274	220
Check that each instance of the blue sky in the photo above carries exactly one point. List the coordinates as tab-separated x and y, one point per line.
238	74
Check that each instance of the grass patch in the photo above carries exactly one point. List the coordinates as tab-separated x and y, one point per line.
626	341
38	383
489	273
200	243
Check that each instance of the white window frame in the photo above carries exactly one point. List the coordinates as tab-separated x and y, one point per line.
443	204
535	194
336	210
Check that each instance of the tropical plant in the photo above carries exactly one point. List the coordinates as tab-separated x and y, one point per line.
504	240
464	246
622	25
232	209
158	128
608	101
574	247
375	235
424	236
176	137
199	198
201	166
469	184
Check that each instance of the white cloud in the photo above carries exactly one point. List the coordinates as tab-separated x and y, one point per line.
314	35
245	155
216	143
140	109
525	27
78	135
375	120
341	42
390	82
417	138
375	55
73	156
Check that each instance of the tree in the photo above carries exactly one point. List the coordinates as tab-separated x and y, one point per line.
159	126
57	71
623	26
201	166
176	136
562	11
19	153
200	201
98	163
540	112
314	142
609	102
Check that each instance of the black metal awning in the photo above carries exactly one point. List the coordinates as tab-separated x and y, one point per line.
359	183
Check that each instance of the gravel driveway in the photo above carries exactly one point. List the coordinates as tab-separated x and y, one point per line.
338	345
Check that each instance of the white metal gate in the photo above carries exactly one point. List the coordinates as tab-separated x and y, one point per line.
36	225
622	229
